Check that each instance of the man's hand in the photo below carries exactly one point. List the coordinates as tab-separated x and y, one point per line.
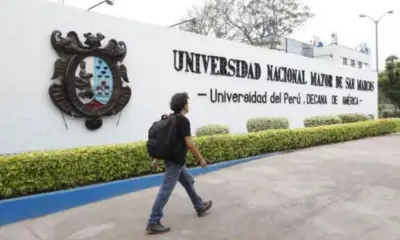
203	163
155	164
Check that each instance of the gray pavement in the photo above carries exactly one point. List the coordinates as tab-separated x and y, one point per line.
341	191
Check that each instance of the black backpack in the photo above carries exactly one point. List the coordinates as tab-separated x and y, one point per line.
162	139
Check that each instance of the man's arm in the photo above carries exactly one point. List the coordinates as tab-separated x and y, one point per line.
185	128
193	148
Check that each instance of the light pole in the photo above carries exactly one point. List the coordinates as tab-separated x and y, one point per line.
376	34
109	2
193	20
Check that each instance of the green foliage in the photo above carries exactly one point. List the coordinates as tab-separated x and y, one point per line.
397	121
389	82
37	172
266	123
391	115
212	129
321	120
353	117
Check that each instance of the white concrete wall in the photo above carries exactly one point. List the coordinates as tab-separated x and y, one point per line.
326	58
30	121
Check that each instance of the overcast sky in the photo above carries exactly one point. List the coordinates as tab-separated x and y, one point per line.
339	16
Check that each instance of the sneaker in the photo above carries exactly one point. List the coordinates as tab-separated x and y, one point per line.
204	208
157	228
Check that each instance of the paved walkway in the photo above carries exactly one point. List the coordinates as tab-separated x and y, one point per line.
342	191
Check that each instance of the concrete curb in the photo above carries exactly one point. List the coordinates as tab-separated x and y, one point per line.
23	208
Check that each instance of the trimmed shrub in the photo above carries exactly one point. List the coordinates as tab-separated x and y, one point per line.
266	123
211	129
321	121
37	172
354	117
397	121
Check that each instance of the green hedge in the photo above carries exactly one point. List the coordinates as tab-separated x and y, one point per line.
266	123
354	117
321	121
37	172
397	121
211	129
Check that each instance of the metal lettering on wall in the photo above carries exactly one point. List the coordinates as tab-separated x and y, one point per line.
91	80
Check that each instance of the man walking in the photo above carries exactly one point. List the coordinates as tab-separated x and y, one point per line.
175	167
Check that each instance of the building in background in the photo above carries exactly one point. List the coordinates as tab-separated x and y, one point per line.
359	57
344	56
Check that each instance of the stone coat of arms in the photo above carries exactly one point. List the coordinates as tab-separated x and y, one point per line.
90	81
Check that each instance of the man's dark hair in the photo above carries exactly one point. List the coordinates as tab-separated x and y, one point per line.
178	102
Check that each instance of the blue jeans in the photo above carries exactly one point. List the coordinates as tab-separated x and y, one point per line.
173	174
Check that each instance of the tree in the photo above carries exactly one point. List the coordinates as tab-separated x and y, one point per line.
255	22
392	58
207	20
389	81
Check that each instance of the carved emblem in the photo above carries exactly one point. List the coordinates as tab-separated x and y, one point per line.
91	81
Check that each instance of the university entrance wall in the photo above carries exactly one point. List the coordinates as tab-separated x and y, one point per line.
227	82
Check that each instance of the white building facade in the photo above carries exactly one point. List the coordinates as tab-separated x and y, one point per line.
337	54
344	56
